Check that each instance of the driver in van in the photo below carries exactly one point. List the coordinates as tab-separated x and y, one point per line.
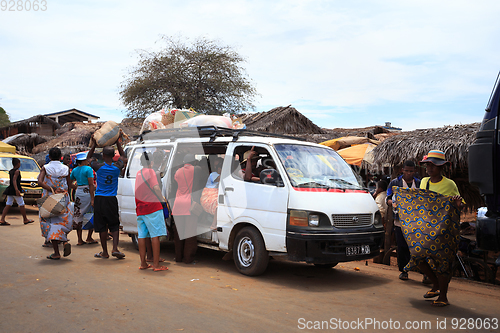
251	173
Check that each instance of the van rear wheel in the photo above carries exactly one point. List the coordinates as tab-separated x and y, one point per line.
249	252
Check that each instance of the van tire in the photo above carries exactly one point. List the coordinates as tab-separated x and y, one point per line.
135	241
249	252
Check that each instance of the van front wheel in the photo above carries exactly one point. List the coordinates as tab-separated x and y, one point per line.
249	252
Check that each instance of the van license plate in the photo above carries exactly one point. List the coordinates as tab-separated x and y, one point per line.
357	250
32	191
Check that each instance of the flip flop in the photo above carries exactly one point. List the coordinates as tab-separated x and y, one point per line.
431	294
81	244
439	304
30	221
51	257
93	242
67	249
99	255
47	245
161	268
149	266
160	260
118	255
4	223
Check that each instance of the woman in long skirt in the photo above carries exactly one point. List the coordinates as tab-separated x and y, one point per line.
54	178
84	196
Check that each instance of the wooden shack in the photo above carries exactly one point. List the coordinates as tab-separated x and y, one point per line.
39	124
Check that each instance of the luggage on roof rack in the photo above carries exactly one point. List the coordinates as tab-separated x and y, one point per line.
207	131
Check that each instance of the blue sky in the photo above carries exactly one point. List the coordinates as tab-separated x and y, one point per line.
416	64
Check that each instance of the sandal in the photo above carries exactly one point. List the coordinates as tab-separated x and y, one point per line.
118	255
92	242
29	221
51	257
148	266
431	294
67	249
161	268
4	223
439	304
80	244
99	255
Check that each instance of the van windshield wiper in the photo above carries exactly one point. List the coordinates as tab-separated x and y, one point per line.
313	184
344	182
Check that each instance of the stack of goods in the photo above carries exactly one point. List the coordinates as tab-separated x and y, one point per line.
180	118
108	134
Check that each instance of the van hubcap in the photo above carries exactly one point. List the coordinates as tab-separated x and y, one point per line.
246	251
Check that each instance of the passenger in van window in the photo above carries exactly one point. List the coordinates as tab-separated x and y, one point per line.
150	220
185	223
211	191
251	173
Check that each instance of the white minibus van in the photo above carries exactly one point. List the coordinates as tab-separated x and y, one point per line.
307	206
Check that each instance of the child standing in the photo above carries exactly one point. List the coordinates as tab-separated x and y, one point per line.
14	192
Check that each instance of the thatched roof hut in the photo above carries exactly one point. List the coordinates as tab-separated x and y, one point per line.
72	134
372	132
280	120
414	145
37	124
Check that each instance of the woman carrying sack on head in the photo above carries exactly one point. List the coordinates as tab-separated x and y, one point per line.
84	196
54	178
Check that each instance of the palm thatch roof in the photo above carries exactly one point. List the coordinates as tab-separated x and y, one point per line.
372	132
414	145
280	120
76	134
25	142
39	119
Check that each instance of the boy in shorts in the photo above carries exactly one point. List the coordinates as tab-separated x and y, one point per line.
105	203
13	192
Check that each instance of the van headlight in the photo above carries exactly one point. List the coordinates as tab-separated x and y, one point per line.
301	218
313	220
5	182
377	220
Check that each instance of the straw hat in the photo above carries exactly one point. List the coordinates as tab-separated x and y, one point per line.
435	157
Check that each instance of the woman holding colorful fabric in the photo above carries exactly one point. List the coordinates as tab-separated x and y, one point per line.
54	178
445	247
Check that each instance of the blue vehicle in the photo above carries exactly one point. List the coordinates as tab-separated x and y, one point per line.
484	166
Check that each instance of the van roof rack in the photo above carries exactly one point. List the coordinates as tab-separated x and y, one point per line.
207	131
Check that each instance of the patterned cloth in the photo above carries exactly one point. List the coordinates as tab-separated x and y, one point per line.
57	227
209	199
430	225
82	204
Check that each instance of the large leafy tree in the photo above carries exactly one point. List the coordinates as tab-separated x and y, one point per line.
4	118
203	75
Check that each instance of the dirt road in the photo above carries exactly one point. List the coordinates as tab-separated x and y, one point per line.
83	294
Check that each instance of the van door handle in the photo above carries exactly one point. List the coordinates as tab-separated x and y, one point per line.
226	189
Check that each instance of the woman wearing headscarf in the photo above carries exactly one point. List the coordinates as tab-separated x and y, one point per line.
54	178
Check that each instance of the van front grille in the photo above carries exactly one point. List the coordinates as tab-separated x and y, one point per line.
351	220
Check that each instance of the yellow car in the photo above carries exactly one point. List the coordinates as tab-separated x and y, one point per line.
29	176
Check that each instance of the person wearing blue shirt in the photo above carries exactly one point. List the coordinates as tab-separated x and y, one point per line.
105	203
406	180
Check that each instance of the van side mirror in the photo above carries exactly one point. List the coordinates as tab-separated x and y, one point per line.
271	177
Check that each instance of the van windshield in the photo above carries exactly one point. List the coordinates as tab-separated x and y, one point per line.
27	164
315	167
